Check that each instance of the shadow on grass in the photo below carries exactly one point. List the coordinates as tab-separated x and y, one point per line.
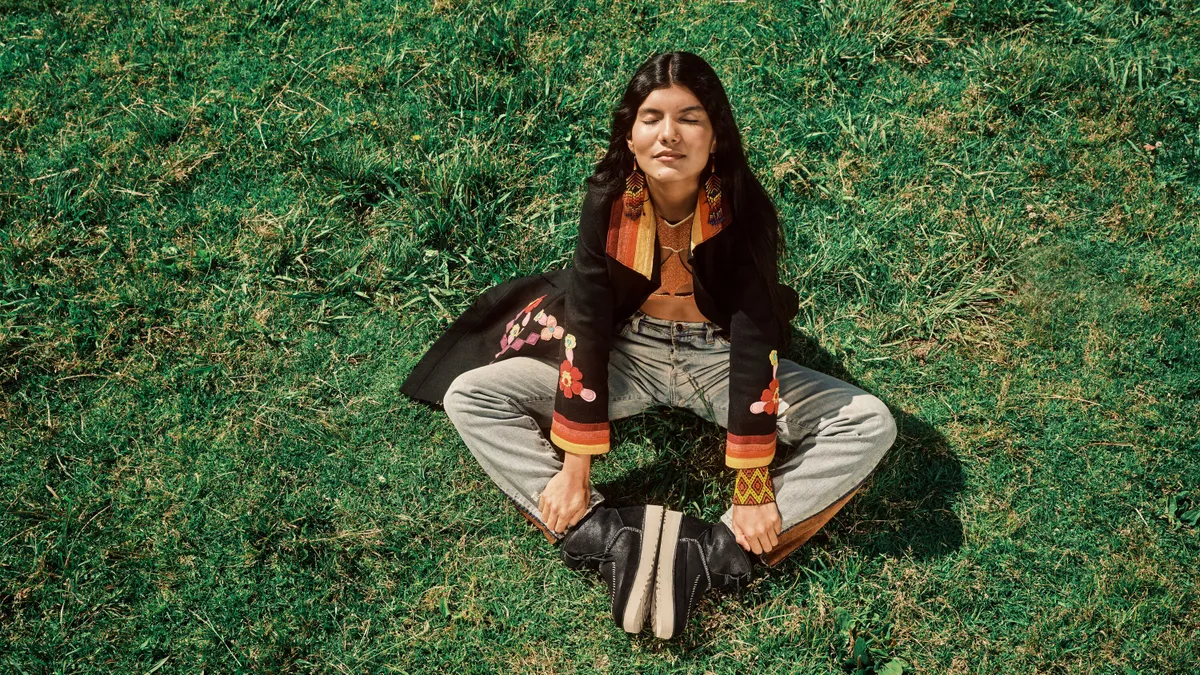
905	508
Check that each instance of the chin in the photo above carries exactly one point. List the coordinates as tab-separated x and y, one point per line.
670	174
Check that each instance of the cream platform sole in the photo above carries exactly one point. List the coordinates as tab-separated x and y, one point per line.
663	610
643	579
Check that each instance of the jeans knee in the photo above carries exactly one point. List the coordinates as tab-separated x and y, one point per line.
458	396
877	422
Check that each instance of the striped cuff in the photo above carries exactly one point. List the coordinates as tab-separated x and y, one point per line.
753	486
578	437
748	452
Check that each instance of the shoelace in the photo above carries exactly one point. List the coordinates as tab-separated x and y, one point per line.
599	558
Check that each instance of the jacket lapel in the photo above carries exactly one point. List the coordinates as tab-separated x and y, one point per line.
630	241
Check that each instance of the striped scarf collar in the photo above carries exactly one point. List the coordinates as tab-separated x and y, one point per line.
631	232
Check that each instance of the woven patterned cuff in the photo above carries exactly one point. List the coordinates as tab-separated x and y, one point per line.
753	486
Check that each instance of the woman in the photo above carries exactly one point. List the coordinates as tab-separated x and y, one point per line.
672	299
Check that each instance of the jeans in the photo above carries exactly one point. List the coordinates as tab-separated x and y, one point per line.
830	437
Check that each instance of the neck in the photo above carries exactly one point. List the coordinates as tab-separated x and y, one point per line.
675	200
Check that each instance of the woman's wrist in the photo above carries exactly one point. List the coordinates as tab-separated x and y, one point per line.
577	464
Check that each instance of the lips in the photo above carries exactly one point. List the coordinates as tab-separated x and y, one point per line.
668	155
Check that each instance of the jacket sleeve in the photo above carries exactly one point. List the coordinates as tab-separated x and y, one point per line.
580	424
753	386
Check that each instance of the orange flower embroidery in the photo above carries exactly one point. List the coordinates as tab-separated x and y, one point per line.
570	381
769	401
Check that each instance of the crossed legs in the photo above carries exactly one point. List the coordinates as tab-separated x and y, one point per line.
830	438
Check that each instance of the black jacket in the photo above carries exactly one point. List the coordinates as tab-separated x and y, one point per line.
569	317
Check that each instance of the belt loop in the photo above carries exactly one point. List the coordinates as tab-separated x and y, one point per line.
708	332
637	320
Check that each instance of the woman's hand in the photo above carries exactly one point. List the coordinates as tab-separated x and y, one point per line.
565	500
757	526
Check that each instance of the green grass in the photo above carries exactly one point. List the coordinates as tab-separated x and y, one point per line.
228	229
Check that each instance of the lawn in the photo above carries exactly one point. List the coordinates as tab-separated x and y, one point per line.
229	228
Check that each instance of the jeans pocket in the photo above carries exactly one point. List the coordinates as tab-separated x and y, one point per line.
625	327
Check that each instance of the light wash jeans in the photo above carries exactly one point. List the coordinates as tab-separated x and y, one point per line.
830	438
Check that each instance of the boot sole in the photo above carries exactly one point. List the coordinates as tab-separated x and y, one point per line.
640	592
663	610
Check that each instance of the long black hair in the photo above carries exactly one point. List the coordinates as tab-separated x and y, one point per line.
751	209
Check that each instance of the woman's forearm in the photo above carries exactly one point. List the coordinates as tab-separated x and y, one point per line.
578	464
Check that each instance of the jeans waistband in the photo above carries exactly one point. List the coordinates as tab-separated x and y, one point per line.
640	318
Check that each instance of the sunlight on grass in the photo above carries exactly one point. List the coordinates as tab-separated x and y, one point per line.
229	229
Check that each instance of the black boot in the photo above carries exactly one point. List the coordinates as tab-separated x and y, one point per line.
693	556
620	543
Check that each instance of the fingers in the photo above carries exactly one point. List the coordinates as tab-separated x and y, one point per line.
549	513
543	509
579	513
767	533
740	537
558	519
758	542
761	544
764	541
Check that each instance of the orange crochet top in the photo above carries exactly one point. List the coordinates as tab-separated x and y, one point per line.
674	299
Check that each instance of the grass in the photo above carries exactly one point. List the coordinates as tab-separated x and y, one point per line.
230	228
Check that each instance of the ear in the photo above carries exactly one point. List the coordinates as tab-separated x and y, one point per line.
629	141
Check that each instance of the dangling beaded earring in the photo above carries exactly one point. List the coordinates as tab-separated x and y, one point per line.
635	193
712	192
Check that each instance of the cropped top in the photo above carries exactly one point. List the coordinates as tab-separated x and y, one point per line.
674	299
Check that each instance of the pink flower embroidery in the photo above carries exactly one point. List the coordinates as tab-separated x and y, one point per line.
552	329
512	338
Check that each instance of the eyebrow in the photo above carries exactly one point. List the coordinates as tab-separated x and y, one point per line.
690	108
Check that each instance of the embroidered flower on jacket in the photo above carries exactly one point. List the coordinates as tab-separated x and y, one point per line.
769	401
570	381
552	329
512	330
570	378
569	343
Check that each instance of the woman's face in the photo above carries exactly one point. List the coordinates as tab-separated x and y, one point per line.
672	136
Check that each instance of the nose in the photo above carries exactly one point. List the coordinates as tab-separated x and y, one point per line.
669	129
